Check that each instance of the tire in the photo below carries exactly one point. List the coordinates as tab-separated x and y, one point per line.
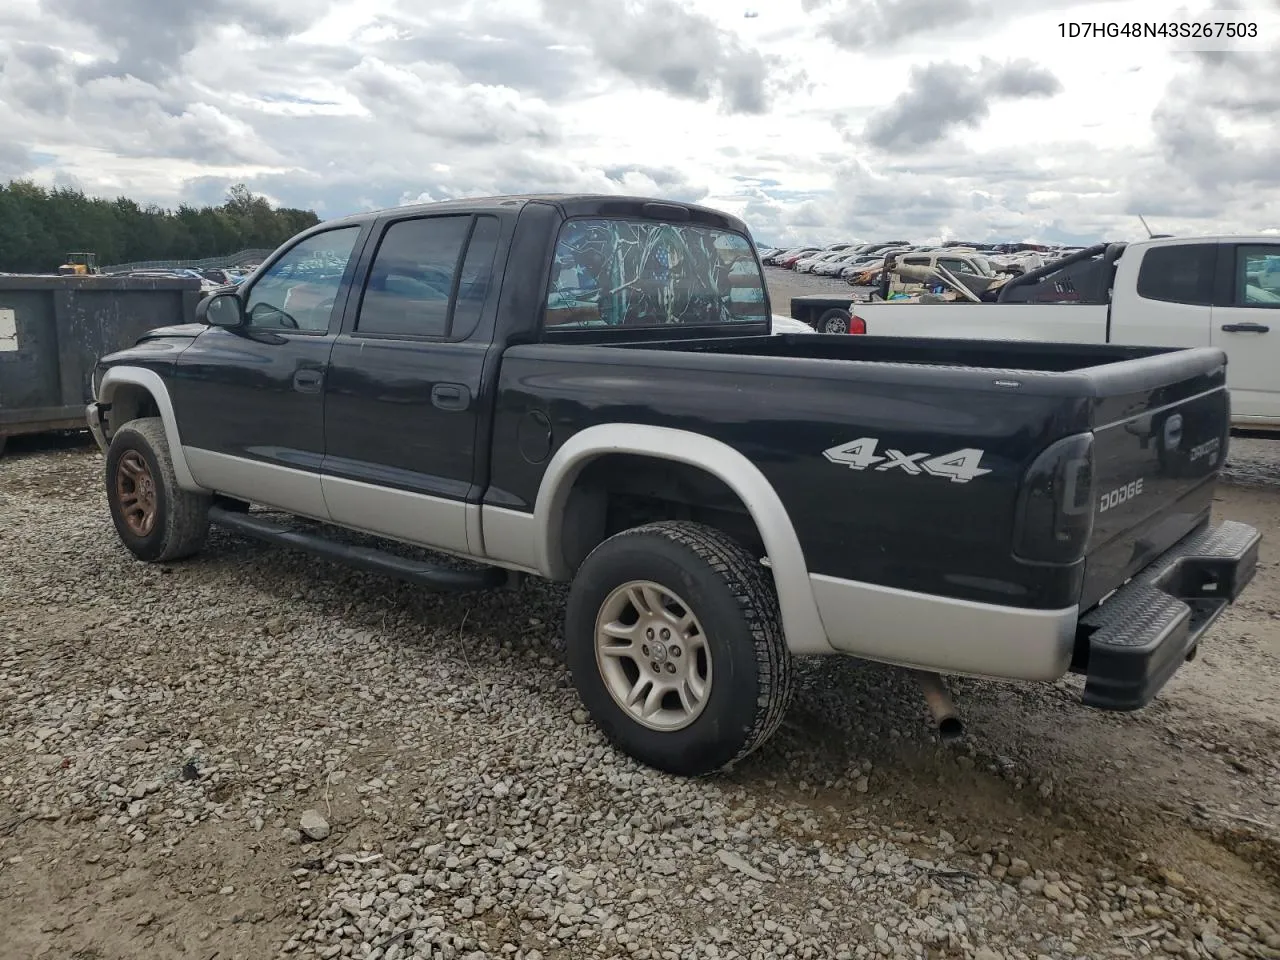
141	483
736	652
834	321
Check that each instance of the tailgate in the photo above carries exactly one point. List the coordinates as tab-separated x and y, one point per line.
1160	428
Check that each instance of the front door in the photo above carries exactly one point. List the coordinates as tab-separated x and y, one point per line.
404	392
1248	329
250	401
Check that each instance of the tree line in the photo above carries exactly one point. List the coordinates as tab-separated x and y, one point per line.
39	227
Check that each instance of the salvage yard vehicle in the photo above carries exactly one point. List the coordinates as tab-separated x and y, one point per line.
1221	292
588	389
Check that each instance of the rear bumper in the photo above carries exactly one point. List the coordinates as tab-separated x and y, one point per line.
1139	636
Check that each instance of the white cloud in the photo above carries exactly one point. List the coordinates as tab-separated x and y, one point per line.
815	119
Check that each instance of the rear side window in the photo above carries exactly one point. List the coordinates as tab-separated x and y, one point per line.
476	278
1180	273
411	287
611	272
1257	277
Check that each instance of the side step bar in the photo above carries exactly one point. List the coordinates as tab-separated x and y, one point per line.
428	575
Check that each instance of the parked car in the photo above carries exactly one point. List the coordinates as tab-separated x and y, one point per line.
807	264
790	259
775	259
503	381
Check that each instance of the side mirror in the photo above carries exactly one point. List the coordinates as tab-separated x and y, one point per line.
221	310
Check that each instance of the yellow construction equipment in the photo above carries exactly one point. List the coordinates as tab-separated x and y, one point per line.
79	264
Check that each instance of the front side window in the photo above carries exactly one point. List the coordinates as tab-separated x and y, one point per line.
1257	277
610	272
1178	273
298	291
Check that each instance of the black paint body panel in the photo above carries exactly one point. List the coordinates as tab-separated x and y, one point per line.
792	398
234	394
778	400
382	425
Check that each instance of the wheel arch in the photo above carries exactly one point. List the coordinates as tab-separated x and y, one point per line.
127	390
801	622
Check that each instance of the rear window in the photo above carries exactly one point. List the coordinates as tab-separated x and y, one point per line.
641	273
1179	273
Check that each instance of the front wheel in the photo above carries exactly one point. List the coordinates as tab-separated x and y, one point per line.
154	517
834	321
676	647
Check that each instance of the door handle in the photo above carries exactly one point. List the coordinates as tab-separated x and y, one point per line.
307	381
451	396
1246	328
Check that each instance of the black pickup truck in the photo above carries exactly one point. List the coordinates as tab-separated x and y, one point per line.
587	389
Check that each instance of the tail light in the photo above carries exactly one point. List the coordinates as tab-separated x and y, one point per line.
857	325
1054	518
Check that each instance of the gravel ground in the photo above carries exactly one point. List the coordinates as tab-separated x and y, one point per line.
254	754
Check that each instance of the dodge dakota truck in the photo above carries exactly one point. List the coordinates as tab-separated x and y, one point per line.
588	389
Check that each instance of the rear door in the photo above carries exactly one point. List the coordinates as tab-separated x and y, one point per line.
1170	303
1246	325
404	395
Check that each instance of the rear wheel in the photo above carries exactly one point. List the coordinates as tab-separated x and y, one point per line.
834	321
154	517
676	647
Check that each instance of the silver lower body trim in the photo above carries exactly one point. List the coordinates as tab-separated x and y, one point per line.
95	426
511	537
285	488
944	634
433	522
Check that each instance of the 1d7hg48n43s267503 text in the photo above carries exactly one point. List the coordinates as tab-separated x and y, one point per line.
1159	30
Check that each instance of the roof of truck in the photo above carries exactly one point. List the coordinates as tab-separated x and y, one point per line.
577	204
1210	238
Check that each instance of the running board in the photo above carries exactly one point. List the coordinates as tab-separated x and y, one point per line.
429	575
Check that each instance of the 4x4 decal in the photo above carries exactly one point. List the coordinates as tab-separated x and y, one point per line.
958	466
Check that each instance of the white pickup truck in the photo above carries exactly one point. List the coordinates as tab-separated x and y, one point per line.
1167	291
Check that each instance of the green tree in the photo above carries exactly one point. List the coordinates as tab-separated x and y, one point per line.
39	227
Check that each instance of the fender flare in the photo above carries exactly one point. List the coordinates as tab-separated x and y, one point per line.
801	622
149	380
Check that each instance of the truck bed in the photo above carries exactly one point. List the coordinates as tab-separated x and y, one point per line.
782	402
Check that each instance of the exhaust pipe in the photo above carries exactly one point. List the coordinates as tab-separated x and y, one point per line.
941	707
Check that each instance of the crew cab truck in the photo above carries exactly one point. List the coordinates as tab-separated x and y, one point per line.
587	389
1221	292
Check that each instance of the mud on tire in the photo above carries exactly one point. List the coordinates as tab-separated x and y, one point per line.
719	586
155	518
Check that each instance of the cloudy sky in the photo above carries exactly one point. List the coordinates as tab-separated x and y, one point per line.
814	119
